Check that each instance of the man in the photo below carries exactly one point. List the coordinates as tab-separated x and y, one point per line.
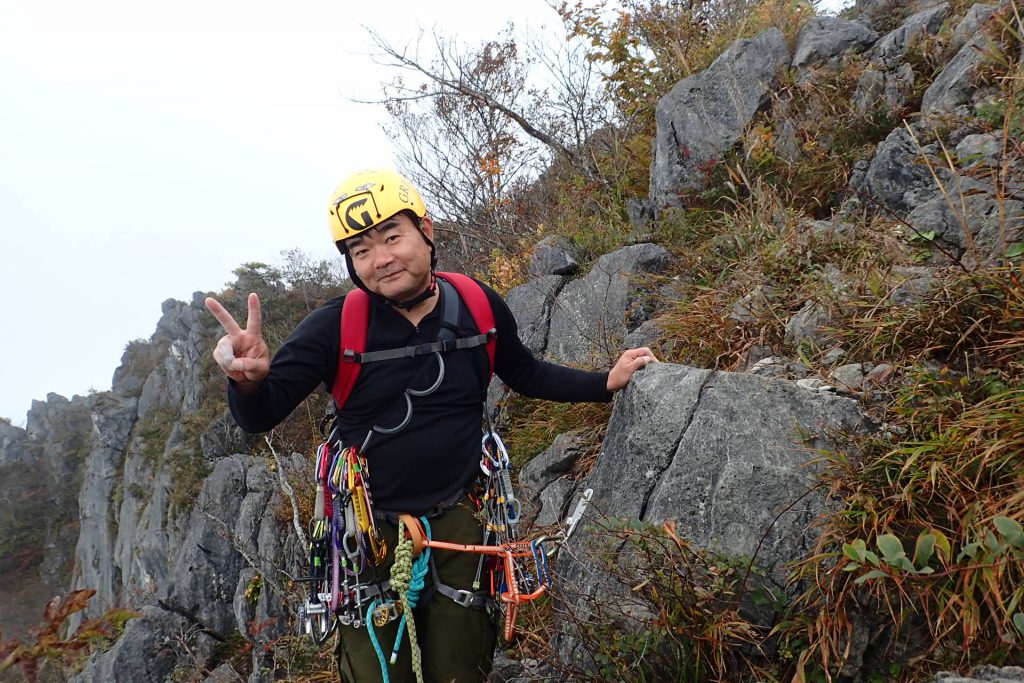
426	467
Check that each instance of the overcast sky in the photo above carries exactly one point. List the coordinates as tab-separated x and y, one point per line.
147	149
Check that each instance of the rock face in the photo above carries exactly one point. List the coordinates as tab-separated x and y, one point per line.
704	115
233	538
899	176
160	511
592	315
723	455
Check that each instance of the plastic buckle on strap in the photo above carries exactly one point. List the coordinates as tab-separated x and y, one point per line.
349	356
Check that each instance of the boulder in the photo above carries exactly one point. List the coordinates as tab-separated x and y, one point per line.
984	674
543	486
147	651
593	314
723	455
913	283
705	115
823	40
894	44
898	176
807	324
972	216
953	85
850	376
552	256
978	149
890	88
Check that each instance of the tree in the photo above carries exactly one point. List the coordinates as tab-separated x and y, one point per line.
477	127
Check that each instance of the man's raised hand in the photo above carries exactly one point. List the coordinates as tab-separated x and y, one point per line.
241	354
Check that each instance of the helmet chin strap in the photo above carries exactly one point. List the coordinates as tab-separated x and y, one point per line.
412	303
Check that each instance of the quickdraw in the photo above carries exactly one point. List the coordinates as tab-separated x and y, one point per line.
345	545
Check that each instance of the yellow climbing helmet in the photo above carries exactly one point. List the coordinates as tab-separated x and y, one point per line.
369	198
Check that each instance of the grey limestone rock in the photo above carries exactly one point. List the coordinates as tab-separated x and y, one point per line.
850	376
753	305
222	538
825	39
978	149
971	215
224	674
531	304
553	502
705	115
912	284
508	670
552	256
952	86
984	674
806	325
977	16
147	651
13	444
113	422
723	455
879	375
878	87
593	314
833	355
894	44
898	176
542	485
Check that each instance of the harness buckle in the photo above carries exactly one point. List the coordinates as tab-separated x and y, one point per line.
349	356
464	598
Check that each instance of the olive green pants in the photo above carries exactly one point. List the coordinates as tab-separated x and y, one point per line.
456	643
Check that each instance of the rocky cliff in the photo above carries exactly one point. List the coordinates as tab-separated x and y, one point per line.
163	506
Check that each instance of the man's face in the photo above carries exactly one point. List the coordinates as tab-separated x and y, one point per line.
393	259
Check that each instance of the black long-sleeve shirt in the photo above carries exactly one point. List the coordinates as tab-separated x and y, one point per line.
438	452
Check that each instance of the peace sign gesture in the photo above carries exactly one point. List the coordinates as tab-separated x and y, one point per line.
241	354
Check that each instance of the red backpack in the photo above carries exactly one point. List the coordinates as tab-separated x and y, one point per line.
355	315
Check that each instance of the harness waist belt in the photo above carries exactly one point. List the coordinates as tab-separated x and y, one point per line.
436	511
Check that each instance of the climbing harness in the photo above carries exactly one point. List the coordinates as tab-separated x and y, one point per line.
345	584
346	546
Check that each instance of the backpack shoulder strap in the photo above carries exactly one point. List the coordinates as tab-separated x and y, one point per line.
479	307
355	319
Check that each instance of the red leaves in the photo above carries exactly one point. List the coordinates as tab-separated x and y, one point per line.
49	645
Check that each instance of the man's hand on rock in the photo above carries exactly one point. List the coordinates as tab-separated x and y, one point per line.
629	362
241	354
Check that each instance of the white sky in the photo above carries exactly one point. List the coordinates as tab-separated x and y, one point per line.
149	148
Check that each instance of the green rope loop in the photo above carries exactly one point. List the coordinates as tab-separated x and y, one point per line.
401	580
